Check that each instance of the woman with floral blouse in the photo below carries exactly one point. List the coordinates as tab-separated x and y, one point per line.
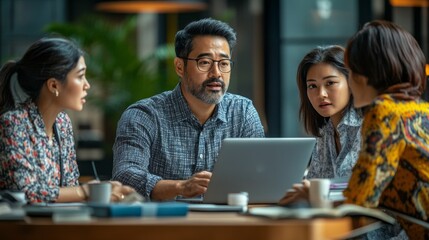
37	151
327	113
387	78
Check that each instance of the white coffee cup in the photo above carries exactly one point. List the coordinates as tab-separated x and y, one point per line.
319	193
100	192
238	199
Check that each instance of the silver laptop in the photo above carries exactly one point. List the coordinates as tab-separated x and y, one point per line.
263	167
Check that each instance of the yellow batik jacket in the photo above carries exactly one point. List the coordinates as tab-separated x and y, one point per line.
393	166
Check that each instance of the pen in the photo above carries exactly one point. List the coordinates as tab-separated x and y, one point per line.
95	171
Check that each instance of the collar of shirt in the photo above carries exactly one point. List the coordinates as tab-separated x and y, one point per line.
35	117
351	119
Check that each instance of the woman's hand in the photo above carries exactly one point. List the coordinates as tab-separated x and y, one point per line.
298	192
119	191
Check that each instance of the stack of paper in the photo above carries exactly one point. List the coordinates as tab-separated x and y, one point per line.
336	191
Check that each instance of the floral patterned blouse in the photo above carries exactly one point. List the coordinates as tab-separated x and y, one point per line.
29	162
325	161
393	166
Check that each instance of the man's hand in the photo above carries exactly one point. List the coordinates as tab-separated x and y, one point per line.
170	189
298	192
195	185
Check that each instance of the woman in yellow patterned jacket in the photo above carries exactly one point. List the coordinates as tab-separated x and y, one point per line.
387	79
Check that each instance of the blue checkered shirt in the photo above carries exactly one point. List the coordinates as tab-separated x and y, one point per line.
159	138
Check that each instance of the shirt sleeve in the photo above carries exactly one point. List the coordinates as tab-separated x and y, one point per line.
132	151
382	144
252	125
22	165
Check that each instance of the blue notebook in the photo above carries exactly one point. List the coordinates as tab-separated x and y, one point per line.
147	209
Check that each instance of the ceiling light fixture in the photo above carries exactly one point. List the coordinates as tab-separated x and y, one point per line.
150	6
409	3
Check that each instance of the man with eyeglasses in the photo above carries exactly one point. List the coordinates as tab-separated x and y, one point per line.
166	145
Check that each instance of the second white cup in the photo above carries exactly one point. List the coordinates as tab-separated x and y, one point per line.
319	193
238	199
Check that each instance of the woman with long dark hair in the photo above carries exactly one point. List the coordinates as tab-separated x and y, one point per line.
327	113
37	151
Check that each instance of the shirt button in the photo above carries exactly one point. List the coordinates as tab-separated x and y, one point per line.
201	156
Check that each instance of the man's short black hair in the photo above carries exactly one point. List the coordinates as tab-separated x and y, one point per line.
207	26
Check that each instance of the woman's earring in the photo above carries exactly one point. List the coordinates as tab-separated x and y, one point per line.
56	93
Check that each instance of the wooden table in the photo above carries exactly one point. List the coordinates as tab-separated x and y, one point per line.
198	226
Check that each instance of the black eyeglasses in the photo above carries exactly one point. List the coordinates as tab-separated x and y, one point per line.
206	64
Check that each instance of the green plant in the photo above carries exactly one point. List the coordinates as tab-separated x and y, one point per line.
114	66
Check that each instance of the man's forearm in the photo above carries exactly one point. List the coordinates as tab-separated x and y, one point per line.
166	190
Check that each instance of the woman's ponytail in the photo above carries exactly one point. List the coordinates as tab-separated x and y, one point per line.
6	99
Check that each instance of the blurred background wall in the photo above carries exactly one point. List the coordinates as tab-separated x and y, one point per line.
273	36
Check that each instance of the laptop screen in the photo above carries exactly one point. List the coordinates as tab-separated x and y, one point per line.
264	167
